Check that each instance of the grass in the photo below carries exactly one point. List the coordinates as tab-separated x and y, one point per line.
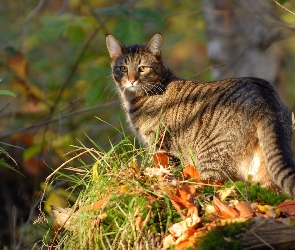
137	214
138	211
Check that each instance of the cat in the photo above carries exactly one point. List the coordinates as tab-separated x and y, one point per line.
229	129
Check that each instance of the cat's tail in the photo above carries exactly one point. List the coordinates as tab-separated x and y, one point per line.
275	141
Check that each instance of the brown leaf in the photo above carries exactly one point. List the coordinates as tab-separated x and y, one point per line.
190	172
287	207
245	209
224	210
96	205
185	194
161	159
177	199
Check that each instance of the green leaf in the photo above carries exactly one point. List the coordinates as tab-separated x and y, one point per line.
75	34
7	92
147	15
4	164
129	31
115	10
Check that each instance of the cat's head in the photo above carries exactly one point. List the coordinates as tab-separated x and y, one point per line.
137	69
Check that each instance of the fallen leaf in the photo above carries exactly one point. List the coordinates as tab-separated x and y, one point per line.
161	159
156	171
63	217
168	241
269	211
177	199
224	193
191	190
224	210
245	209
190	172
287	207
96	205
193	221
176	230
184	195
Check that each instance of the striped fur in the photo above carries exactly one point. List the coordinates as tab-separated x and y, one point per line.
230	129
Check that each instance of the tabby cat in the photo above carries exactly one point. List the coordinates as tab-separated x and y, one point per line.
233	128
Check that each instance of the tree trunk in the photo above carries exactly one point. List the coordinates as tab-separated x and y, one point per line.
242	35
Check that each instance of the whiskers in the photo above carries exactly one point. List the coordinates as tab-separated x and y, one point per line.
144	88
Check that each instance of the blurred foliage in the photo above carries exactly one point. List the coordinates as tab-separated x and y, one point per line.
53	57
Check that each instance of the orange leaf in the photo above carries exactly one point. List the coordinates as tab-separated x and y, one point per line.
161	159
188	189
245	209
190	172
180	201
96	205
224	210
184	195
187	241
287	207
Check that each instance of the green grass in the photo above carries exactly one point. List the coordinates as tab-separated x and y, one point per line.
138	212
133	199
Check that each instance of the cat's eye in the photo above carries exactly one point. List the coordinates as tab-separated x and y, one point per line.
143	68
123	68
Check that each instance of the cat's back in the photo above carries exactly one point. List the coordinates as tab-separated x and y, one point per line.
242	92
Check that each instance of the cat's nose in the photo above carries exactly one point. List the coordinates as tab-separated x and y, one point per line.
132	81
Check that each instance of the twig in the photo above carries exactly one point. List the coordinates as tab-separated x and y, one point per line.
54	172
276	2
262	240
210	67
73	70
48	120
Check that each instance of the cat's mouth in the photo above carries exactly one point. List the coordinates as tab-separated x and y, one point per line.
131	84
135	88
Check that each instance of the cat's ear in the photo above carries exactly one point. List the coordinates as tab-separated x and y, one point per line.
114	46
155	45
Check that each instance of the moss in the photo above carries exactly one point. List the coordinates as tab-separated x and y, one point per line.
258	194
223	237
